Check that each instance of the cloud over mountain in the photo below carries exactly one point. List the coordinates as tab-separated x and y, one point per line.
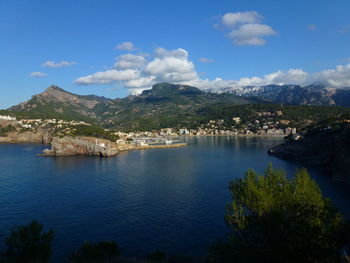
136	73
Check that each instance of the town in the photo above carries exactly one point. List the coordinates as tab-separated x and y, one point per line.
265	124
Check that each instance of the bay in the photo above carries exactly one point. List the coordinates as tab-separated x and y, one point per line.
168	199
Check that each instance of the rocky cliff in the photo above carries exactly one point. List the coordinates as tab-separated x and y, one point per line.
39	136
326	148
81	146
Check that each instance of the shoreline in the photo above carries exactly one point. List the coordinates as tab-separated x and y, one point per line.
2	141
150	147
230	135
158	146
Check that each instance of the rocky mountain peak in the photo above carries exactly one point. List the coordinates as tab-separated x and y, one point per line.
53	91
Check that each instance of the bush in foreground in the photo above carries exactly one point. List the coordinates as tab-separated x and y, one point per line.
276	219
104	251
28	244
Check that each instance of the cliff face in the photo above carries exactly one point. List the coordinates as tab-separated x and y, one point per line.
27	137
81	146
326	149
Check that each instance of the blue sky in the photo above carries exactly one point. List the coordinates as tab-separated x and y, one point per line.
193	42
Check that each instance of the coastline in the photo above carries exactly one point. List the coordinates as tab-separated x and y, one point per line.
70	146
7	140
119	150
230	135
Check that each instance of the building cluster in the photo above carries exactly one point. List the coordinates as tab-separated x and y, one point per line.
31	123
7	118
264	123
42	123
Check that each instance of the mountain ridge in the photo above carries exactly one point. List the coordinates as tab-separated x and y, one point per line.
314	94
166	104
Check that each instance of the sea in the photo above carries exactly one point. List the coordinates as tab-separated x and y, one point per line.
172	200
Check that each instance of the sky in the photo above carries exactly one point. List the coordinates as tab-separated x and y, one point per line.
116	48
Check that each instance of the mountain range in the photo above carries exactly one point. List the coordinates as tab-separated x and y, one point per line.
169	105
163	106
314	94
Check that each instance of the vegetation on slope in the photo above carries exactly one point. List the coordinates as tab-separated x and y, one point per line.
164	106
325	146
92	131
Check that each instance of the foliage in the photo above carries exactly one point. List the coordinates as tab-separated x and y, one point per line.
93	131
28	244
5	130
299	116
276	219
104	251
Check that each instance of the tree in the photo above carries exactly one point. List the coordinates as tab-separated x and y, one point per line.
28	244
276	219
104	251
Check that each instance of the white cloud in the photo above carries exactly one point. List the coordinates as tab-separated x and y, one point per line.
107	77
177	53
37	74
166	65
338	77
251	34
128	46
130	61
61	64
291	76
245	28
233	19
312	27
206	60
174	66
141	82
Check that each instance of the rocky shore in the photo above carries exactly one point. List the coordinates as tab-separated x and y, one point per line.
95	147
67	145
81	146
327	149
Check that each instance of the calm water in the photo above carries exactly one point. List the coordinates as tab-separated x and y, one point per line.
168	199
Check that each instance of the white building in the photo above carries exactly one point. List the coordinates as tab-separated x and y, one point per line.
237	120
7	118
184	132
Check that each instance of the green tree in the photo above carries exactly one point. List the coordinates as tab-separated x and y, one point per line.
276	219
28	244
104	251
